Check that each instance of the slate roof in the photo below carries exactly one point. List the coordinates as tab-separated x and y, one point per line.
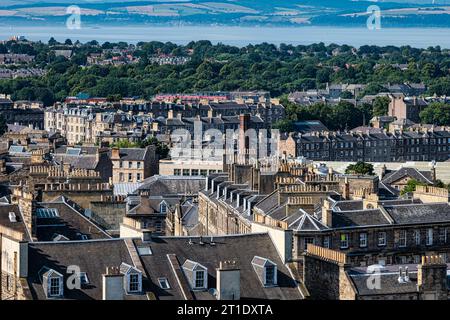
69	223
151	205
309	126
132	154
190	216
18	226
419	213
166	185
389	283
87	150
125	188
348	205
307	222
93	257
422	176
80	162
356	218
241	248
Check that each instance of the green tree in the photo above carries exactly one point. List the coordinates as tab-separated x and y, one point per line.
360	168
123	143
284	125
411	186
162	150
437	113
380	106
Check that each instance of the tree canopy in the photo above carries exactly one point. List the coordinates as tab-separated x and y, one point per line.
360	168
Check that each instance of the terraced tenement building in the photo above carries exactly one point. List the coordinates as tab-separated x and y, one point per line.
370	147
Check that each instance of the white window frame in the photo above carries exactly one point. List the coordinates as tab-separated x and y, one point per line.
344	243
417	237
165	281
363	240
429	237
161	206
204	277
138	282
51	286
402	238
273	281
443	235
381	239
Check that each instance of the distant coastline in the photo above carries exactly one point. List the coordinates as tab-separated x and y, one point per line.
239	36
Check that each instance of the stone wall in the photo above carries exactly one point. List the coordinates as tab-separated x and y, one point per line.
321	278
82	198
108	215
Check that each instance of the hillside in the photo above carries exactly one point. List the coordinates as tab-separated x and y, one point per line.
229	12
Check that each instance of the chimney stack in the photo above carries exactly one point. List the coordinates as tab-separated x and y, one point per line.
327	214
112	284
115	153
432	278
228	281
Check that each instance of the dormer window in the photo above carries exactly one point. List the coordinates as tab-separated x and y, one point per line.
199	279
132	278
270	275
54	287
266	270
196	274
52	282
163	207
133	283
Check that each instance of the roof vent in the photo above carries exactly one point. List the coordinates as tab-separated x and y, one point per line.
211	242
403	277
190	241
201	241
12	217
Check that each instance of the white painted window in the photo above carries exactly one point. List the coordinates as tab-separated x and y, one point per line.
344	240
381	238
417	239
429	239
55	287
402	238
363	240
443	235
199	279
134	282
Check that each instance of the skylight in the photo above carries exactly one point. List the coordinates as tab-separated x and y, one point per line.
73	151
144	251
84	278
163	283
46	213
12	217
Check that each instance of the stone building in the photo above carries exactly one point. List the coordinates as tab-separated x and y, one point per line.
403	107
399	146
133	164
373	231
328	276
232	198
151	268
